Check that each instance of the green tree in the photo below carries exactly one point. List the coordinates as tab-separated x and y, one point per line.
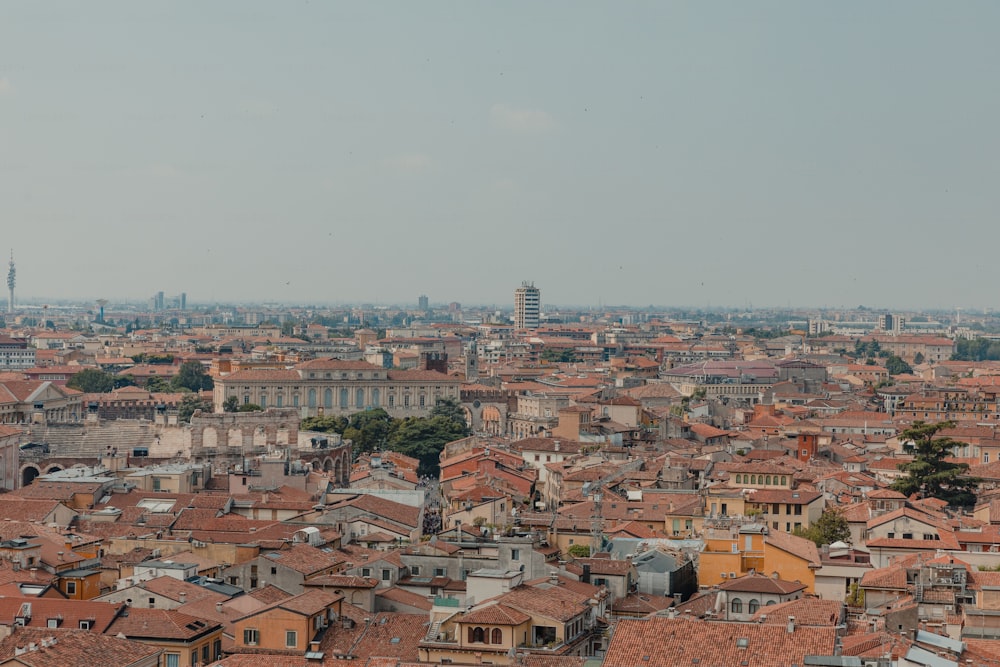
930	474
897	366
450	408
157	384
558	356
92	381
579	550
231	404
249	407
191	375
324	424
830	527
918	358
189	404
423	438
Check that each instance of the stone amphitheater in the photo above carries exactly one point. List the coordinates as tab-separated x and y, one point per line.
221	439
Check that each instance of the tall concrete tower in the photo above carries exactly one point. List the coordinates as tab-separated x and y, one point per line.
527	306
11	281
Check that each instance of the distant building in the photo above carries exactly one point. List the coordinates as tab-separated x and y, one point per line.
15	354
527	306
890	323
423	302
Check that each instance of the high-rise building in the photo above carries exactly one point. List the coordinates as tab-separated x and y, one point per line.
11	281
890	323
423	302
527	306
158	301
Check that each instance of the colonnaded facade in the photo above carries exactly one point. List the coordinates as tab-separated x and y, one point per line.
338	387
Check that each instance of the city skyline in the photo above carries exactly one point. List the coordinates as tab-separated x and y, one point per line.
705	156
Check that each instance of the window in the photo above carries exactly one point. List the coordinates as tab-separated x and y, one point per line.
52	623
496	637
477	636
86	625
736	605
312	398
366	572
172	660
359	398
515	554
70	588
423	400
251	636
386	575
274	570
194	658
798	510
753	606
206	655
439	572
415	570
291	639
375	398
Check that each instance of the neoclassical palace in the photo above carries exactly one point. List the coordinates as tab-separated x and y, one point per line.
338	387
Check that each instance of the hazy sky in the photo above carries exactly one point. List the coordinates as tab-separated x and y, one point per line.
803	153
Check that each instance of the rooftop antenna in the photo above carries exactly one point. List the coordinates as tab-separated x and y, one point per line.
11	281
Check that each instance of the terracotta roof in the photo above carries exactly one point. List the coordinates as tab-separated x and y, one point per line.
667	642
805	611
72	648
495	614
161	624
758	583
304	558
797	546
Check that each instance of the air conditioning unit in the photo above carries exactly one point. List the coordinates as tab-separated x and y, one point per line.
723	575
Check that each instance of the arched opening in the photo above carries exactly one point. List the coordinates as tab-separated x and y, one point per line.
327	464
753	606
736	606
315	465
51	469
337	471
478	636
28	475
496	637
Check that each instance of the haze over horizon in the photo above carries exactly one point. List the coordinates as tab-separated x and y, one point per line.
646	153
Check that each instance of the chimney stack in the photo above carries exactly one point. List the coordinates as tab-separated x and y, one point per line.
791	624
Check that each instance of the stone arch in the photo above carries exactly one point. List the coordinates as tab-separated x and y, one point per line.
327	464
315	465
209	438
234	437
259	437
53	468
338	470
28	474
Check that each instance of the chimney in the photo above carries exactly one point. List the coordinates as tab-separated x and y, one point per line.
34	573
60	554
586	574
218	607
555	446
791	624
182	598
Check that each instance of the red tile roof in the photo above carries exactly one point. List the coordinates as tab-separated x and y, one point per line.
667	642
